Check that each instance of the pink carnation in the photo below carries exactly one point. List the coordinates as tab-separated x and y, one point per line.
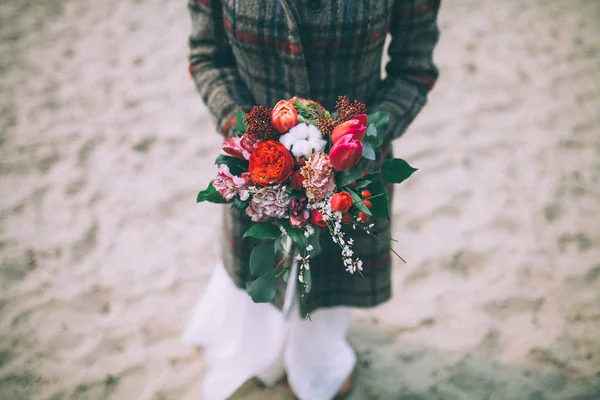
229	185
269	201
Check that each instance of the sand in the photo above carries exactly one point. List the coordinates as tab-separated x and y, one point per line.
104	143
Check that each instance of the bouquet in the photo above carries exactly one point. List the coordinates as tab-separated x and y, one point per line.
293	170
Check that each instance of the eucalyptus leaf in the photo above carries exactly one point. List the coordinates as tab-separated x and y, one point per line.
368	151
348	176
296	234
371	130
262	230
381	120
211	195
363	183
262	258
396	170
263	289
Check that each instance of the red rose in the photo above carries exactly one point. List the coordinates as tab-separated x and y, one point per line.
316	218
284	116
341	201
270	163
296	181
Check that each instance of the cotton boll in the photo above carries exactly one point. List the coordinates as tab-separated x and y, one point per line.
317	144
300	131
313	132
287	140
301	148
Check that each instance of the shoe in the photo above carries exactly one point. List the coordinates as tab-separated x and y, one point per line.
343	393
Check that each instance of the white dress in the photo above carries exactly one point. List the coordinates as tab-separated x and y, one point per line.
242	339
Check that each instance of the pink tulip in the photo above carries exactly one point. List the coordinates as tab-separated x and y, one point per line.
356	126
345	153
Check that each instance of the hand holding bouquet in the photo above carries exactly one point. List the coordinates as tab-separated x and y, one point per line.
293	171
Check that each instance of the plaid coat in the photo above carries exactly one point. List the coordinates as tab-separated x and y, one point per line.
249	52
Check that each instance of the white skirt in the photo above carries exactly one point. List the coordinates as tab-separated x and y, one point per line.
242	340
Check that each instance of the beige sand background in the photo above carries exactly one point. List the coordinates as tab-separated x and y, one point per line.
104	144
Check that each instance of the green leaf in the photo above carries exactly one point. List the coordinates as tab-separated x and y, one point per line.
363	183
263	230
263	289
368	151
345	178
240	126
379	200
371	130
262	258
296	234
396	170
358	202
380	120
237	166
240	204
211	195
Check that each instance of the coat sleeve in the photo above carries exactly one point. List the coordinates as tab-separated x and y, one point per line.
212	65
411	72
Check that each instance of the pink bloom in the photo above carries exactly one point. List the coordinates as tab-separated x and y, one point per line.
248	143
345	153
298	212
319	177
229	185
356	126
269	201
234	148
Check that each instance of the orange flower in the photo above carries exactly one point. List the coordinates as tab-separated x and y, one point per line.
284	116
270	163
341	201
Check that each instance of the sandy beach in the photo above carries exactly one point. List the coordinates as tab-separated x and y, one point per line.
104	143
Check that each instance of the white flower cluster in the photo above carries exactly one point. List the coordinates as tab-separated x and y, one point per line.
334	223
303	140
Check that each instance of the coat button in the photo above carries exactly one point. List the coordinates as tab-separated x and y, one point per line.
315	5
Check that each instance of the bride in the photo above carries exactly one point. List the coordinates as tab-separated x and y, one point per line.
261	51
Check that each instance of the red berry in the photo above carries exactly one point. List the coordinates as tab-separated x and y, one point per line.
365	194
347	218
368	203
352	185
362	216
365	173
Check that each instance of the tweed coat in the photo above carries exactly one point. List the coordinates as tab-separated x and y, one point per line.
248	52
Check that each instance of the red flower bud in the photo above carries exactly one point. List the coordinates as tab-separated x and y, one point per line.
316	218
345	153
284	116
362	217
365	194
341	201
296	181
357	127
